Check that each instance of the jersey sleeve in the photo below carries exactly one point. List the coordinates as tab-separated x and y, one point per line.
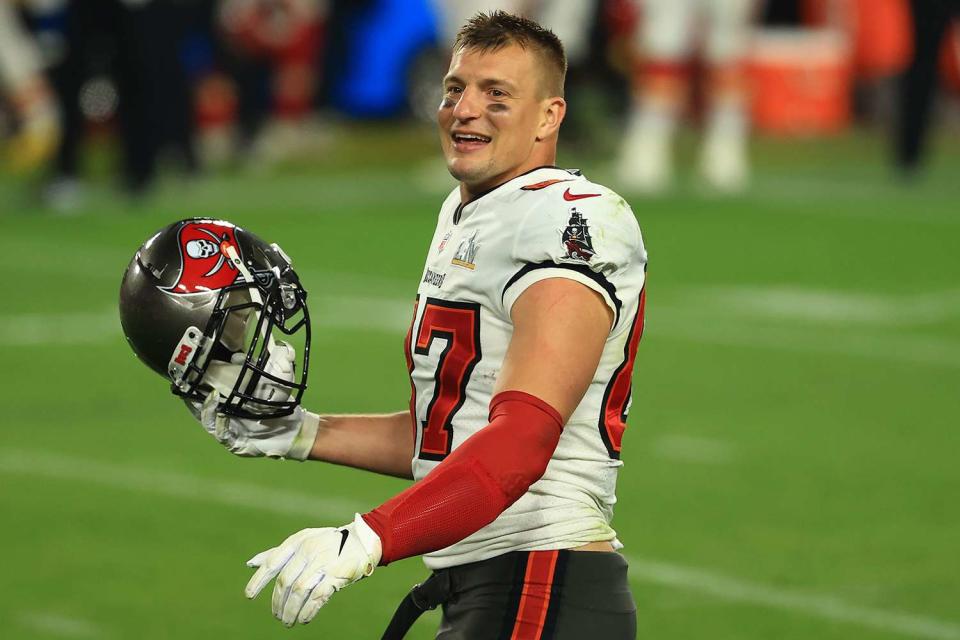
595	241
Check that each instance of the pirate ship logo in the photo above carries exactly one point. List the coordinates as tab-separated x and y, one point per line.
576	238
205	266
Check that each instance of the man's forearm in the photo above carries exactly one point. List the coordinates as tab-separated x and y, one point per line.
473	485
380	443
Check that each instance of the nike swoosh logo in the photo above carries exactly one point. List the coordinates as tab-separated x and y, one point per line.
343	540
570	197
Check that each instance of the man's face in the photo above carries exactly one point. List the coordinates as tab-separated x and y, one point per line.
490	116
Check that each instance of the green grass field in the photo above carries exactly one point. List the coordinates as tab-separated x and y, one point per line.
791	461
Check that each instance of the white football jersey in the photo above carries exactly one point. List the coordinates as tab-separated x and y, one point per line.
548	223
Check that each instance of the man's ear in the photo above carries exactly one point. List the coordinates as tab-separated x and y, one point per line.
554	109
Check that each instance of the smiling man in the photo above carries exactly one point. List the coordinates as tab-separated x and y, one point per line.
521	350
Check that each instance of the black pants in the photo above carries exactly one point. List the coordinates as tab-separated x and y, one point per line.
137	45
930	21
536	595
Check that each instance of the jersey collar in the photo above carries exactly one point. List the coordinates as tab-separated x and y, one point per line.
460	207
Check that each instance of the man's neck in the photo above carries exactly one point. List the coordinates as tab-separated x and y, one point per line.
469	193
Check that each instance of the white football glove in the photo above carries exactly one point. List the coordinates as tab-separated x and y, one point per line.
291	436
313	564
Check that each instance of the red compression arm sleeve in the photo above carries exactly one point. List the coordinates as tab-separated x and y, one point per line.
475	483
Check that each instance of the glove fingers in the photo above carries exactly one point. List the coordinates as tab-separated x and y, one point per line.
286	580
300	594
193	407
259	580
209	407
309	611
283	358
258	560
221	430
321	579
309	567
271	563
317	599
208	412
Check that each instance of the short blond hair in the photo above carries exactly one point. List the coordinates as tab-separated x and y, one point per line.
498	29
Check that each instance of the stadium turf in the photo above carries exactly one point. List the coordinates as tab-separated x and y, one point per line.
791	453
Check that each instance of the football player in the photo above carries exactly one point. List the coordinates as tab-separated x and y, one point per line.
520	352
666	40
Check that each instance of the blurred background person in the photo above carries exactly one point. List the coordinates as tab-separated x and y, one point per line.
256	83
122	57
268	69
929	21
670	32
35	126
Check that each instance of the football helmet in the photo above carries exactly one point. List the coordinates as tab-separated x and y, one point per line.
200	304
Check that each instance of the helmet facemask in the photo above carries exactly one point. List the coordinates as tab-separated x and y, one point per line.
247	351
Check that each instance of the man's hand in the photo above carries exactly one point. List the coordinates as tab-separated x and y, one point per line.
313	564
291	436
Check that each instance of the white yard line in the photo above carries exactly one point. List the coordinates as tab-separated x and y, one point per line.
172	484
249	496
894	348
696	449
906	207
35	329
830	307
55	624
695	320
